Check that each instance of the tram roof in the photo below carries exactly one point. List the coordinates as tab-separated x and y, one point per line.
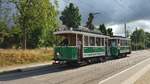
119	37
94	34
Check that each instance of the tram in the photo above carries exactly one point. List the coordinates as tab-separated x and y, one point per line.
83	46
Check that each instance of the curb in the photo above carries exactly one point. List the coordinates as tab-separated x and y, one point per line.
24	68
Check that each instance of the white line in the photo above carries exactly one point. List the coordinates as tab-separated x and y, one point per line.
136	76
122	72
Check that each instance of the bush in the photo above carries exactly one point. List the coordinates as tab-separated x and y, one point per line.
10	57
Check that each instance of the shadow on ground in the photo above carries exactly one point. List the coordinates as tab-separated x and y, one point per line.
19	74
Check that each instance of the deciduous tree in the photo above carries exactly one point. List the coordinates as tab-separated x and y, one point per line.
89	23
109	32
71	16
138	39
36	19
103	30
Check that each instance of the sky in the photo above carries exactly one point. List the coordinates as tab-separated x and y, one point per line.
114	13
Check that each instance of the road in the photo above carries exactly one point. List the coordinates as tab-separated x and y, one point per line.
91	74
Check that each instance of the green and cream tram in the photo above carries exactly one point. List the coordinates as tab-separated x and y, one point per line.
81	46
120	46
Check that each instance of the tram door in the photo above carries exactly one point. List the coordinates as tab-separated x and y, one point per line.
79	43
106	46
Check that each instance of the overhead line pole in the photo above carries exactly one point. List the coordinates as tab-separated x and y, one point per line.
125	29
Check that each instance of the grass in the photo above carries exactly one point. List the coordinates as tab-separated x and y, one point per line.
9	57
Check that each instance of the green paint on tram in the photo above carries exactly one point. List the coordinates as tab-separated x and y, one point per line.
124	49
93	51
66	53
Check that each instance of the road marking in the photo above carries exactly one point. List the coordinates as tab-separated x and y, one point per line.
136	76
103	81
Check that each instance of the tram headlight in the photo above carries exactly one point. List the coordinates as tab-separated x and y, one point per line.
57	54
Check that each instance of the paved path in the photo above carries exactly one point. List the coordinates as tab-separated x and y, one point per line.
145	79
91	74
129	75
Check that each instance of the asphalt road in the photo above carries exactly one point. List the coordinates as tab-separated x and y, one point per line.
91	74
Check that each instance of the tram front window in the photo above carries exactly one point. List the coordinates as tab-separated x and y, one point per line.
65	42
68	40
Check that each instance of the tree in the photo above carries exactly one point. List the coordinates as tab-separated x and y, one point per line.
138	39
147	39
109	32
15	35
35	18
103	30
3	32
71	16
89	23
3	27
9	37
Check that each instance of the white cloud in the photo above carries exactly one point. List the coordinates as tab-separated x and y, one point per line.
118	29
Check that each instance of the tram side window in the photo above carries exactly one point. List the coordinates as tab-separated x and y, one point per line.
118	41
98	42
121	42
126	42
102	40
86	40
92	41
72	40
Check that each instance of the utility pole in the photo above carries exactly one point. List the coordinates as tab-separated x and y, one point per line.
125	30
136	43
